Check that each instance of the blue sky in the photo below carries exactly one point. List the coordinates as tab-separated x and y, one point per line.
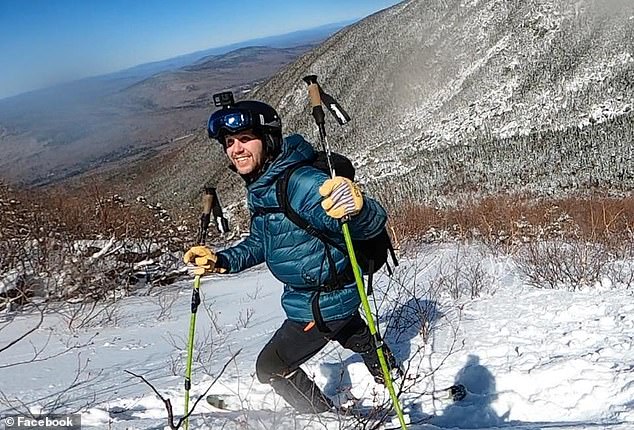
43	42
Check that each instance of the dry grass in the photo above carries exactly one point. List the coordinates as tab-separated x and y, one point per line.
87	213
516	220
571	243
84	243
584	229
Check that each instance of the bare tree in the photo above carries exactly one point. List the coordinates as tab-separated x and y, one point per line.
168	404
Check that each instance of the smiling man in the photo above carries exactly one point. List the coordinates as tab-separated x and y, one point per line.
245	151
320	297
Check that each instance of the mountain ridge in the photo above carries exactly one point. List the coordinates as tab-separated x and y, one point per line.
421	78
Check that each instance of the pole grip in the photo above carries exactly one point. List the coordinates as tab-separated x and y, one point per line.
205	218
208	200
313	90
313	94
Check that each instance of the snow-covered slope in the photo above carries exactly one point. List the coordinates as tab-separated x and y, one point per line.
530	358
429	74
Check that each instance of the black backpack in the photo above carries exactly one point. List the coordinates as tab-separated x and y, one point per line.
372	254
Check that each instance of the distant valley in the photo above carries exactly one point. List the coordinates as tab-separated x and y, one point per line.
58	133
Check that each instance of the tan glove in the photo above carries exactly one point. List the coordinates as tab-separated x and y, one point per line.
343	197
204	259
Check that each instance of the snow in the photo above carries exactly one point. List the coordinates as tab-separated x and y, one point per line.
530	358
8	280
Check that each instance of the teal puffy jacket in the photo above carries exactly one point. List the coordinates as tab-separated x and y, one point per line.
296	258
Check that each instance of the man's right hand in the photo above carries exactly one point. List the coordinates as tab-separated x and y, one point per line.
204	259
342	197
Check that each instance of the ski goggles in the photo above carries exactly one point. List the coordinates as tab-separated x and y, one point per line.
229	120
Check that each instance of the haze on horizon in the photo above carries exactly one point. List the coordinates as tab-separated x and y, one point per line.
44	43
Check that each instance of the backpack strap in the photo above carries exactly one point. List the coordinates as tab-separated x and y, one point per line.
387	266
287	209
390	248
370	276
319	319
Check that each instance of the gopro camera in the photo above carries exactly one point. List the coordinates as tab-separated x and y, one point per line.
224	99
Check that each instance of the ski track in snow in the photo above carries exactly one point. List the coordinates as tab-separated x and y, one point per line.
530	358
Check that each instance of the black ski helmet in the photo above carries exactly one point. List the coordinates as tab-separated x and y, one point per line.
254	115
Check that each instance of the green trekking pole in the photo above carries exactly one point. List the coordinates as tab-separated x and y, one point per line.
204	223
316	95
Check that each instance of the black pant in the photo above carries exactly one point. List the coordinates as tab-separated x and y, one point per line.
279	361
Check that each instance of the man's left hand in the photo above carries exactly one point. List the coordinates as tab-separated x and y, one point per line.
343	197
204	260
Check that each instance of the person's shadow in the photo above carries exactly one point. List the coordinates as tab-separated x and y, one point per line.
416	317
474	411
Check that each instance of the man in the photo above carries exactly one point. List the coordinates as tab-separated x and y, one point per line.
251	135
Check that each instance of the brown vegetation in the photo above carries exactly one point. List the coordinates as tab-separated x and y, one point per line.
87	244
87	213
570	243
515	220
47	248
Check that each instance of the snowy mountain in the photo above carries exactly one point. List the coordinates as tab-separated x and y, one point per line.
487	95
474	76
